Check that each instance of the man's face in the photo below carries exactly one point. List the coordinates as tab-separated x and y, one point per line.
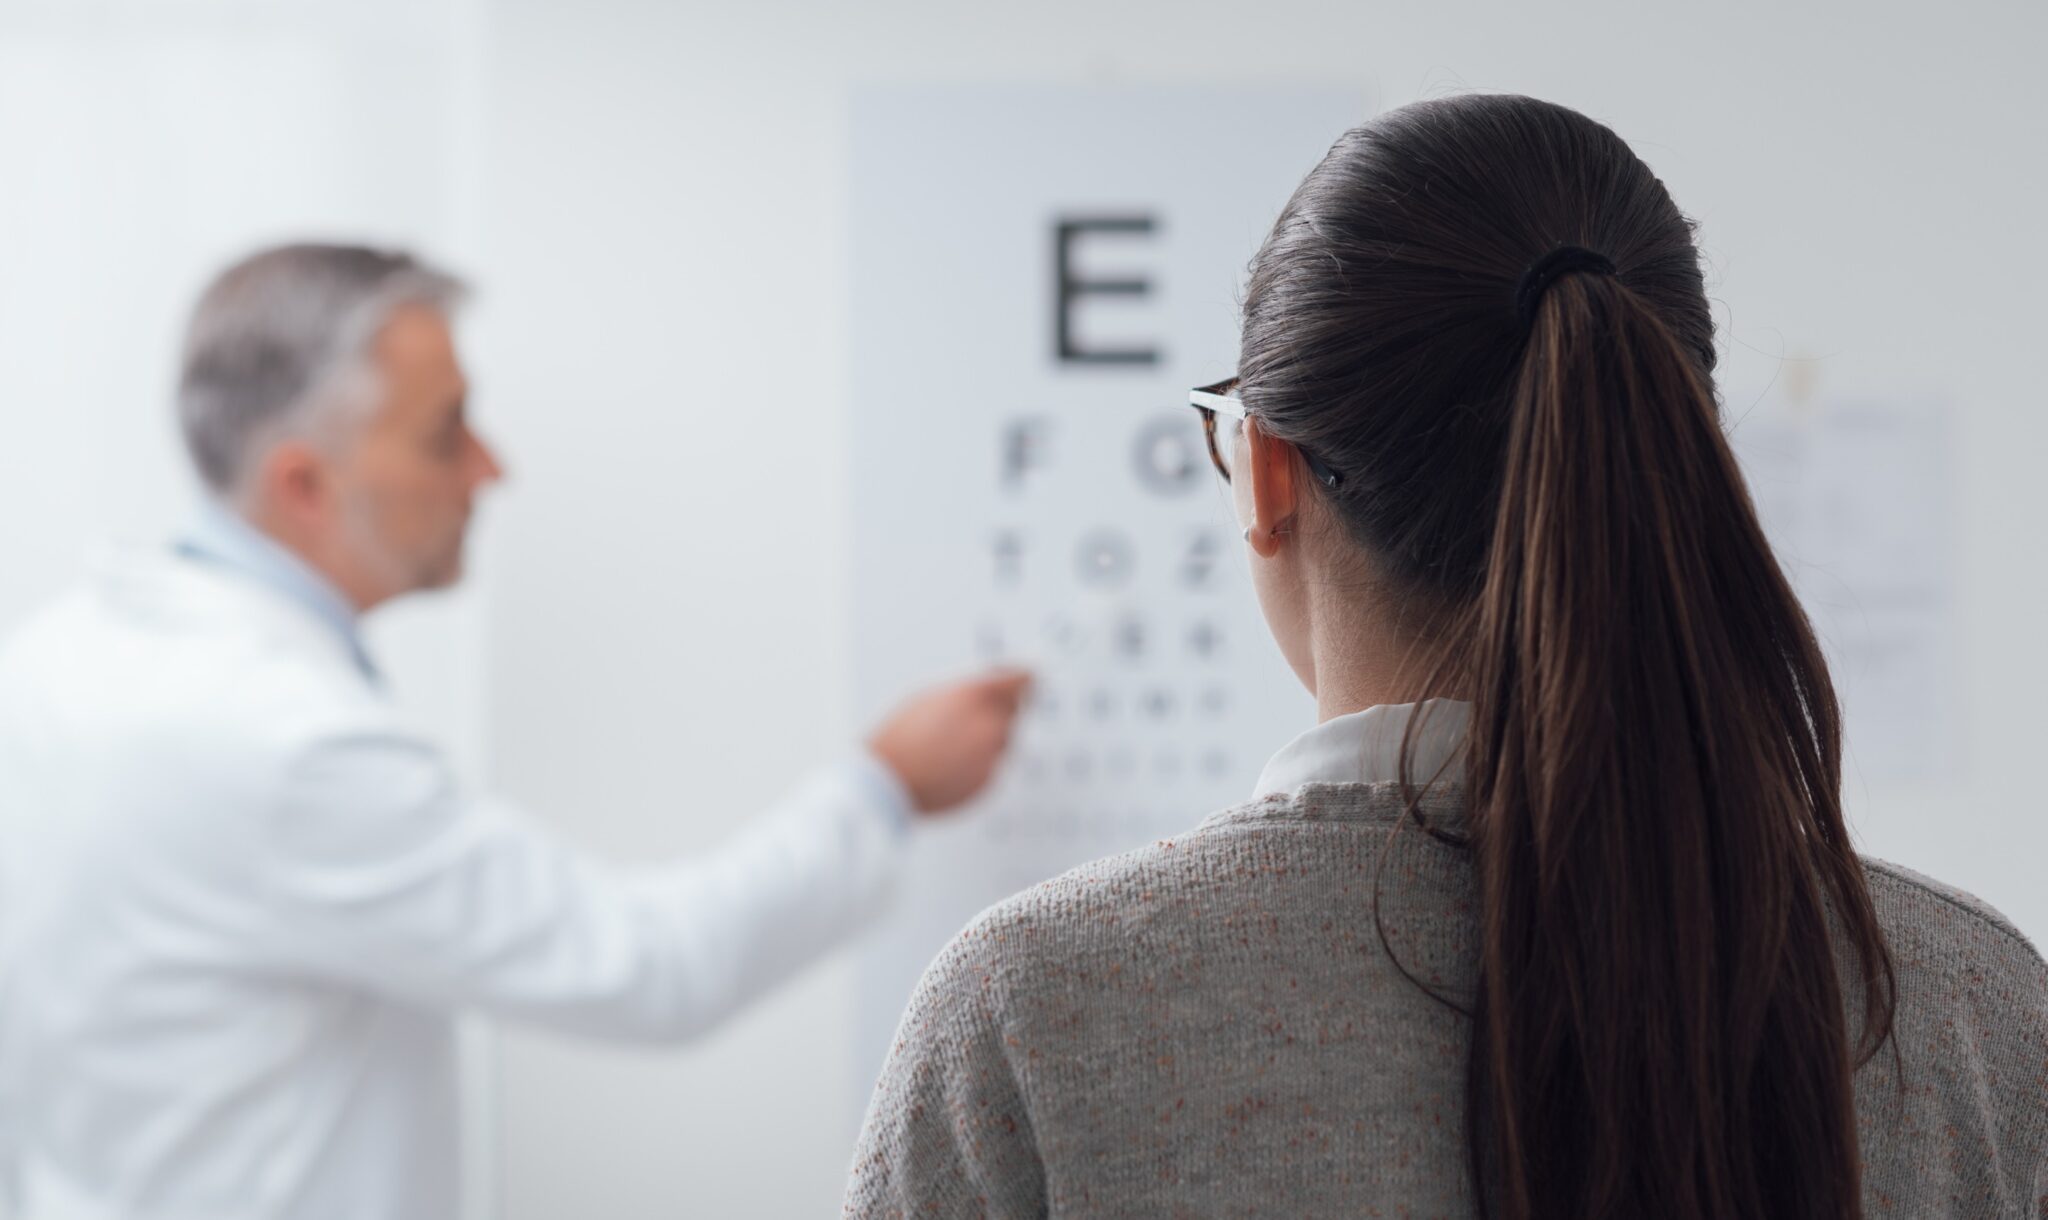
411	474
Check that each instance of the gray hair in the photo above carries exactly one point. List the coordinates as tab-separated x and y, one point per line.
282	338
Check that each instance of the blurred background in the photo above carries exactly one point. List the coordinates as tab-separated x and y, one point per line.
656	201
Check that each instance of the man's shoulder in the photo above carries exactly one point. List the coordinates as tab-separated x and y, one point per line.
143	650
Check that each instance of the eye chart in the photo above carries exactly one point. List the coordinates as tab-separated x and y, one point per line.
1039	275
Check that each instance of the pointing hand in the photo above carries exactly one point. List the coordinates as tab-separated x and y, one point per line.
944	743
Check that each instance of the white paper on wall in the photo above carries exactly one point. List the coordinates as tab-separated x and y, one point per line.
1856	495
1039	276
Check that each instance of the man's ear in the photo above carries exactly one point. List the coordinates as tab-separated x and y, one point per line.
1275	491
292	481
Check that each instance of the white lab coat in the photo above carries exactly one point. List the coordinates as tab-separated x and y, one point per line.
241	903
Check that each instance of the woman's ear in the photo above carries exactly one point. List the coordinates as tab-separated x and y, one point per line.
1270	475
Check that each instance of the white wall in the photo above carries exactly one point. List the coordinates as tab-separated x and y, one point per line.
664	364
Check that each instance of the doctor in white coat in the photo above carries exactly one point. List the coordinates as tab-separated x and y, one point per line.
241	902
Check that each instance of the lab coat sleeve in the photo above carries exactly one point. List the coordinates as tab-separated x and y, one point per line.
383	875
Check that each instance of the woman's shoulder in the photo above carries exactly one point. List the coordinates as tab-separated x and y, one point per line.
1237	843
1951	1117
1027	950
1263	869
1972	989
1106	893
1939	926
1068	924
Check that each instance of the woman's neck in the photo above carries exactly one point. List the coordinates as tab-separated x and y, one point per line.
1368	652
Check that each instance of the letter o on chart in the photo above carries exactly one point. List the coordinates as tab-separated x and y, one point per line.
1168	456
1105	560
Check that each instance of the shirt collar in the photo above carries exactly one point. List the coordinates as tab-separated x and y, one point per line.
219	536
1365	747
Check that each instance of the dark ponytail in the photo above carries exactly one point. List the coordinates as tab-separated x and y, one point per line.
1655	823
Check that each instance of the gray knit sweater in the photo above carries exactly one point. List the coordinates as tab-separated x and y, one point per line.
1210	1027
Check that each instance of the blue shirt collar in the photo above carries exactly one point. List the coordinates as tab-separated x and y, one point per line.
219	536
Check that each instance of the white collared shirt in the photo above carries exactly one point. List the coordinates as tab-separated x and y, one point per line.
241	904
217	535
1365	747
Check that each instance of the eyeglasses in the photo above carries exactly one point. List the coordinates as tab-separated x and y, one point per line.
1221	400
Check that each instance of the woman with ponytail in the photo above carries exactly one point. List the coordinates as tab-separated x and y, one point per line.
1555	913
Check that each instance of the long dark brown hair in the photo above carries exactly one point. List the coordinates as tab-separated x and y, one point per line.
1655	822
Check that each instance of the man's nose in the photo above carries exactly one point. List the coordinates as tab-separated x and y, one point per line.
487	467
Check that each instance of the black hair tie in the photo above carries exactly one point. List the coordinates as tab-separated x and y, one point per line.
1545	271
